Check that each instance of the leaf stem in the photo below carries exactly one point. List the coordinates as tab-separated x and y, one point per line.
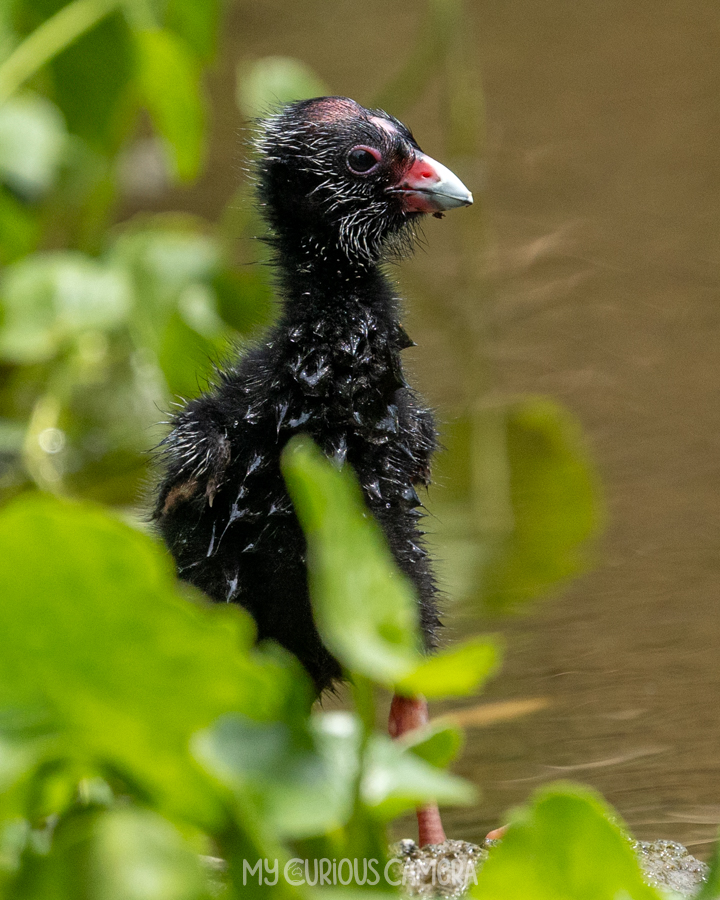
49	39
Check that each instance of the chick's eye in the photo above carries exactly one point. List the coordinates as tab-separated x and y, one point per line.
362	159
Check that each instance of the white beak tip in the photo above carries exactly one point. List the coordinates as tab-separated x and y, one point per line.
432	187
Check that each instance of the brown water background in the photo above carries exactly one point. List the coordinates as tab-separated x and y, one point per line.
596	282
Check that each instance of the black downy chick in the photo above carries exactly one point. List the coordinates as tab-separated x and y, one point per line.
340	187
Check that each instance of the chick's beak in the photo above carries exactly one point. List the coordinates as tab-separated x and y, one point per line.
430	187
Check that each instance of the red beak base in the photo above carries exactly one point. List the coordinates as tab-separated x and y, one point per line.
430	187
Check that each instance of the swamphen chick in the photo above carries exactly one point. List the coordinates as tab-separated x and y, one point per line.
340	187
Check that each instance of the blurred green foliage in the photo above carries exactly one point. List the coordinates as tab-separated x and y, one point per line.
547	853
102	325
111	691
520	505
140	727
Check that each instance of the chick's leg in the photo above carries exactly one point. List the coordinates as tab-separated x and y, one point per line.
406	714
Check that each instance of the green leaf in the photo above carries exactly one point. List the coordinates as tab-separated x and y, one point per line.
299	781
195	338
196	21
19	228
166	258
564	846
33	138
14	837
91	76
710	889
364	607
49	298
197	308
137	854
275	80
94	632
169	81
338	737
455	672
12	435
554	504
8	37
244	299
186	357
121	854
395	780
171	264
27	736
302	782
436	744
522	503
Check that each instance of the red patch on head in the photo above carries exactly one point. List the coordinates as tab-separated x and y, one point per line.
384	124
331	109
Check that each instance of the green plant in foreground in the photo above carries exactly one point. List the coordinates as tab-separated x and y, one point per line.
140	727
